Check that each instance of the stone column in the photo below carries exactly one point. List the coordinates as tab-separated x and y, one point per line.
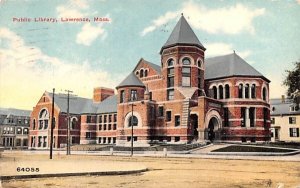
247	117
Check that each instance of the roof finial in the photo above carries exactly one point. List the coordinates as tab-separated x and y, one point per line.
233	51
182	14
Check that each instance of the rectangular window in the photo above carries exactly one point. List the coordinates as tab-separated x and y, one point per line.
252	116
170	81
88	119
108	140
100	119
169	115
104	127
292	120
19	131
177	121
114	140
177	138
105	118
294	132
122	96
186	76
109	127
104	140
226	117
115	127
109	118
25	131
99	140
160	111
88	135
100	127
115	117
150	95
170	93
170	71
133	95
265	116
243	116
272	120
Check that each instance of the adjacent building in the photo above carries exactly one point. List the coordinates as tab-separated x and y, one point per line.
285	120
187	98
14	128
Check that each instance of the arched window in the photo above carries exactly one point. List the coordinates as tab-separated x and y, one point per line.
146	73
199	64
241	91
264	93
227	92
247	91
137	73
141	73
43	119
186	61
221	92
33	124
253	91
73	123
170	62
133	120
215	93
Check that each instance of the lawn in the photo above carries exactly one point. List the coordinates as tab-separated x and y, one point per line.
252	149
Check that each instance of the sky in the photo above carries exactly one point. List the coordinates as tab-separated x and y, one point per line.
38	56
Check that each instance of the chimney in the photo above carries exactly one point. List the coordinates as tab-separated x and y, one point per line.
282	99
101	93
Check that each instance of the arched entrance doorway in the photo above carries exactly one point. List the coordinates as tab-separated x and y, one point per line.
213	124
213	127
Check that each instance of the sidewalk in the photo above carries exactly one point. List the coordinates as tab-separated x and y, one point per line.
58	168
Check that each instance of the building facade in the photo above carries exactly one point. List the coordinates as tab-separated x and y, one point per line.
188	98
285	120
14	128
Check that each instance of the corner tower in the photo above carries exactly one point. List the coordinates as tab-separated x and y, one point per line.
182	62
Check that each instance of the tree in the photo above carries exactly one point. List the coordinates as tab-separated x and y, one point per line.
292	81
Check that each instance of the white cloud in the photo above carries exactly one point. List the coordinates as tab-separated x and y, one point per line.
298	1
215	49
228	20
89	33
73	9
159	22
23	79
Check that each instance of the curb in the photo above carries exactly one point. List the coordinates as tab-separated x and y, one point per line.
107	173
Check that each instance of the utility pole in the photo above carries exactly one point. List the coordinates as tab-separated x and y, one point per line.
68	123
68	120
52	124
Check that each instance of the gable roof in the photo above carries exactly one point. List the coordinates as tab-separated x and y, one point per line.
227	66
155	67
182	34
131	80
76	106
282	108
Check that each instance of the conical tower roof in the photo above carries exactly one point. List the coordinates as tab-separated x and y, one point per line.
182	34
131	80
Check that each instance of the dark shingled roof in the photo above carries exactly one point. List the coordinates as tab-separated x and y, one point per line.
227	66
280	108
131	80
109	105
77	104
157	68
14	112
182	34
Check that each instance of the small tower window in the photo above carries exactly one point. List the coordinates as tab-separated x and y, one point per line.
145	73
186	61
241	91
170	63
264	94
253	91
247	91
141	73
227	91
221	92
